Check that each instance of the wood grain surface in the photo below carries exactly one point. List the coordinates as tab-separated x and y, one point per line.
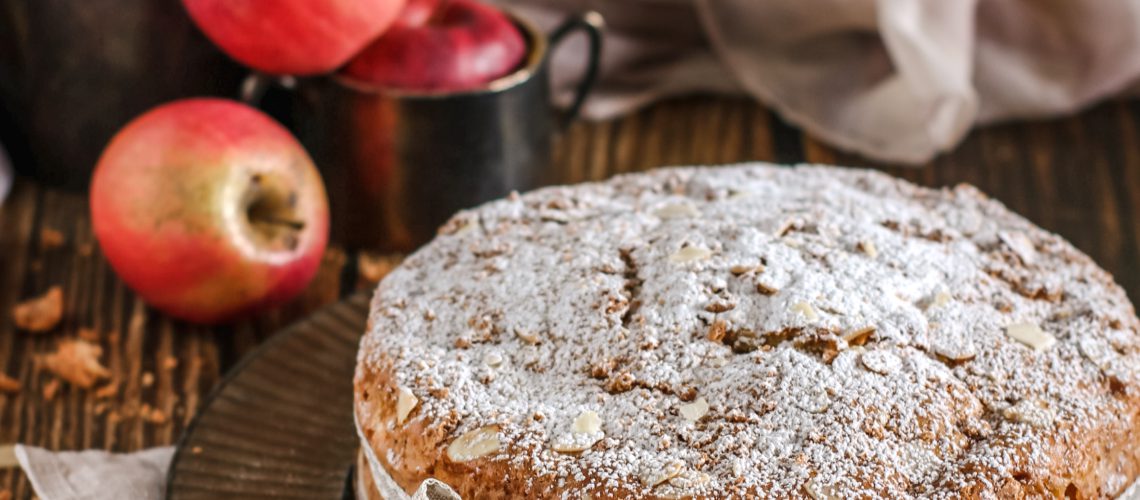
1077	176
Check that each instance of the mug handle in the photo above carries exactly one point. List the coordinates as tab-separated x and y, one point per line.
592	24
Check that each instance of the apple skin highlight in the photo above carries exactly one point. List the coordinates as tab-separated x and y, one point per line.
209	210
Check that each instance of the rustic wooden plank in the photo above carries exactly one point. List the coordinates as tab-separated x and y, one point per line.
626	132
43	420
1127	186
731	130
761	146
572	152
17	220
818	152
677	122
600	149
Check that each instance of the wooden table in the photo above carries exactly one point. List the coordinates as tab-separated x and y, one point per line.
1078	176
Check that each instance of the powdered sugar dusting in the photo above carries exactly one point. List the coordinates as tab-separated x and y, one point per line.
843	332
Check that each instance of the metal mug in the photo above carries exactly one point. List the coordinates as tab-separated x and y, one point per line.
399	163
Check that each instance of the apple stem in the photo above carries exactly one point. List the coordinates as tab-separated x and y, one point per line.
295	225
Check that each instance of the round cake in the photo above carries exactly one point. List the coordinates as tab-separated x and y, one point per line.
750	331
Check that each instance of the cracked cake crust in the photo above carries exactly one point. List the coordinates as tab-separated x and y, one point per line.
751	331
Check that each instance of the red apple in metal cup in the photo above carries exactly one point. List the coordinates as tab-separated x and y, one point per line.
293	37
456	46
209	210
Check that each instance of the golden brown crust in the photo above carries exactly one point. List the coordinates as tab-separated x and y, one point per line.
422	455
1102	465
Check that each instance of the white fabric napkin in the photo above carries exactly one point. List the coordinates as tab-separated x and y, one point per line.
95	474
895	80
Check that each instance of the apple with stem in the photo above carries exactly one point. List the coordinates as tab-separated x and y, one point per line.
209	210
293	37
441	45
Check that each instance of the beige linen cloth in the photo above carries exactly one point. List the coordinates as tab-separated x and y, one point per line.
895	80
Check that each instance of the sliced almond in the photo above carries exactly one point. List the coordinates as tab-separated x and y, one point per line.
805	309
690	254
766	289
938	300
719	307
881	361
868	249
695	410
941	299
1021	245
677	211
1031	335
405	403
653	476
493	359
576	443
956	351
587	422
740	269
1032	412
786	227
586	431
526	336
475	444
859	336
467	227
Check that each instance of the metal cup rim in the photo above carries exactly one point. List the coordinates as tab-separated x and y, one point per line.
536	55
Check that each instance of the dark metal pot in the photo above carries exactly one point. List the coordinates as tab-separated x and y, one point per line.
72	72
398	164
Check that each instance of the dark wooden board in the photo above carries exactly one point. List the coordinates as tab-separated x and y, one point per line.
1078	176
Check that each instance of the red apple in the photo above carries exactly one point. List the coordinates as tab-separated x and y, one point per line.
293	37
209	210
463	46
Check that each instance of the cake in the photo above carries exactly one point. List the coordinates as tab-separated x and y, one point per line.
750	331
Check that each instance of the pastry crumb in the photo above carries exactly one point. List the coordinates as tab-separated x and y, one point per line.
51	238
40	314
8	385
77	362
